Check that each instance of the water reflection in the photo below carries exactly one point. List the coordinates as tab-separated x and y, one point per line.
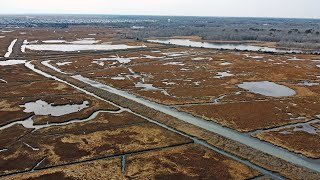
230	46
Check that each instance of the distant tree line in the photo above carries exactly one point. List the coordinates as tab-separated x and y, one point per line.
299	33
302	33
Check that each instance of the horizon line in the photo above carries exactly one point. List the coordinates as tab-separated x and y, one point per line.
102	14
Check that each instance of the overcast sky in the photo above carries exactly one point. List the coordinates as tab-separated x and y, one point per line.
243	8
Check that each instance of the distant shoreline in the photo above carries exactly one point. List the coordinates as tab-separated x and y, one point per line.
135	15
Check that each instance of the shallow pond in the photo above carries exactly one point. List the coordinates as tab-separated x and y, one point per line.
267	88
145	86
43	108
121	60
231	46
78	47
54	41
223	74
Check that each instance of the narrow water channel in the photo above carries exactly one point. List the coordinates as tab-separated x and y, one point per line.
10	48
